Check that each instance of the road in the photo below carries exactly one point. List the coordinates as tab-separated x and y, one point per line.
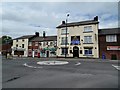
76	74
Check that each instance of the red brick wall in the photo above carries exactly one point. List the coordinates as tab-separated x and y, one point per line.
103	47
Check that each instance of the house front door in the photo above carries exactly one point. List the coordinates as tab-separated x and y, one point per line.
75	51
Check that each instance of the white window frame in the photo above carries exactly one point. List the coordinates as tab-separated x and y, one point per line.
88	51
63	40
63	31
88	29
36	43
88	39
111	38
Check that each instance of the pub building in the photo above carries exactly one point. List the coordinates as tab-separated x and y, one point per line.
82	39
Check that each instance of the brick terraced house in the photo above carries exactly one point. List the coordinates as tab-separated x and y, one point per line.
109	43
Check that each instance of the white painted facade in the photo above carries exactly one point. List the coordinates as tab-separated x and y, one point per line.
79	31
18	45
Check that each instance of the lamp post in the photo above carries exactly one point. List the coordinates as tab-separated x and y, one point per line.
66	37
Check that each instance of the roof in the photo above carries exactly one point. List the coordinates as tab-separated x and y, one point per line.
24	37
78	23
109	31
47	38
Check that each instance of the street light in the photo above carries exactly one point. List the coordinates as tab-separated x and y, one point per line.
66	37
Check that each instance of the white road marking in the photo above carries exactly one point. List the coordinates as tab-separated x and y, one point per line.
78	63
52	62
26	65
117	67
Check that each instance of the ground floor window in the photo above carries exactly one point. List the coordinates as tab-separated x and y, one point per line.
88	51
64	51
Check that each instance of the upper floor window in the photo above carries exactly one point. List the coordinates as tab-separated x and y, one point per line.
44	43
17	40
23	40
51	43
75	40
88	29
63	31
87	39
111	38
30	43
63	40
36	43
22	45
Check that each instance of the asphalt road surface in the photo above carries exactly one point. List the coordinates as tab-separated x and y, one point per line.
76	74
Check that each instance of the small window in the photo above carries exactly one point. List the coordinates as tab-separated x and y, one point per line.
87	39
17	40
51	43
44	43
22	45
88	29
63	40
64	51
88	51
23	40
63	31
36	43
80	51
70	51
111	38
16	45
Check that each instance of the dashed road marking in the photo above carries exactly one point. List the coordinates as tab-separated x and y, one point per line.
78	64
117	67
26	65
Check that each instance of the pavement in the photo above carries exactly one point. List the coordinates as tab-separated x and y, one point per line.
78	73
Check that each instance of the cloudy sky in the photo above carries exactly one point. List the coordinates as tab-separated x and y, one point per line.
25	18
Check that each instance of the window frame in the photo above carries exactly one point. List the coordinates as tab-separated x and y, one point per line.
89	51
88	30
63	50
63	31
88	39
63	40
111	38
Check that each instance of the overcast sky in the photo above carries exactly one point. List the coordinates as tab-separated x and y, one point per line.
25	18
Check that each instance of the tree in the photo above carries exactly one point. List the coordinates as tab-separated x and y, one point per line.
6	39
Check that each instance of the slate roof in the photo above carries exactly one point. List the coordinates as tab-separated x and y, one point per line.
78	23
47	38
109	31
24	37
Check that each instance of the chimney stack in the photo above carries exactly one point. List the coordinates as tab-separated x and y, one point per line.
37	34
63	22
96	18
43	34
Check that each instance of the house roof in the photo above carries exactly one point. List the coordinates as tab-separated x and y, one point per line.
78	23
47	38
24	37
109	31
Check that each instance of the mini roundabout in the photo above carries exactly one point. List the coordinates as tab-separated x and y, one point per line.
50	63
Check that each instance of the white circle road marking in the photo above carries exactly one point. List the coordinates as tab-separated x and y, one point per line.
52	62
26	65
